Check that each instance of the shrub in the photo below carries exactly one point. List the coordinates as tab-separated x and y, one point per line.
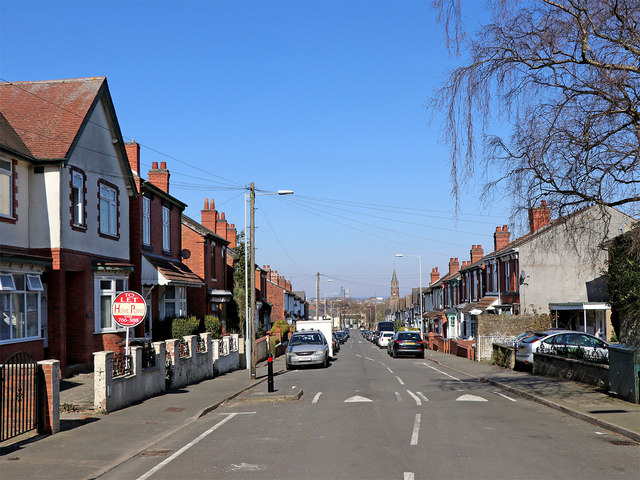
284	328
273	341
183	326
213	324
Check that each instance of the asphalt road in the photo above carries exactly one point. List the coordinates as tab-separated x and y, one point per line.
369	416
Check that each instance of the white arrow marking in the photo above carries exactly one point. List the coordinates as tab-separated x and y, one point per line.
357	398
470	398
421	395
418	402
409	476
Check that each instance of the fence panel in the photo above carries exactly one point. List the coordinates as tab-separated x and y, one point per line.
18	395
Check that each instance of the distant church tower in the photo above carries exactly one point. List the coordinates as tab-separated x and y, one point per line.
395	292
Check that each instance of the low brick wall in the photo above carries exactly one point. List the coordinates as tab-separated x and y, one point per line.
576	370
484	345
262	348
194	367
49	414
463	348
443	345
230	360
504	356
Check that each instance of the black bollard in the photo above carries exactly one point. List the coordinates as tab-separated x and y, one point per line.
270	372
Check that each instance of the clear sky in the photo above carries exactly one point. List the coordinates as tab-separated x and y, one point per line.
326	98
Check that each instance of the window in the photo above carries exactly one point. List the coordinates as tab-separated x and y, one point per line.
106	289
494	277
146	221
213	261
19	306
175	302
77	198
507	274
6	190
108	210
166	229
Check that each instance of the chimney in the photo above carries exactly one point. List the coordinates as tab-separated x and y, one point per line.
501	238
133	154
476	253
209	215
454	265
288	283
539	217
221	226
435	275
231	235
159	176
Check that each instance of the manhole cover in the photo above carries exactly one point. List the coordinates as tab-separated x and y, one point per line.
155	453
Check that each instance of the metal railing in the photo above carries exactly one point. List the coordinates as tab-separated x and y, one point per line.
201	345
122	365
148	356
224	347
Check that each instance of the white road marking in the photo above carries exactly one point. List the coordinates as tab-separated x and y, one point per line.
400	380
358	355
409	476
316	398
444	373
398	397
421	395
189	445
470	398
504	396
418	401
371	359
416	430
390	371
356	399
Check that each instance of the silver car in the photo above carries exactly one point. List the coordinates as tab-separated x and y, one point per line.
308	347
558	341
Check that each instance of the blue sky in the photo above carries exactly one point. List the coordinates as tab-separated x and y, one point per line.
326	98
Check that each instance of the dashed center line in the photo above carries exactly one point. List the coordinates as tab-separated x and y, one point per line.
416	429
421	395
316	398
398	397
390	371
400	380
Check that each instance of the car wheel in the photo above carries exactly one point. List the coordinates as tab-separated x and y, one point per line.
326	362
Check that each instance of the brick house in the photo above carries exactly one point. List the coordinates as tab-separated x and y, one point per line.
65	228
156	249
206	256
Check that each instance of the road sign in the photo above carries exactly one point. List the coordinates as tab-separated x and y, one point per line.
129	309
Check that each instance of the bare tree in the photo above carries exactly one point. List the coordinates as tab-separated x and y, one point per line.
565	77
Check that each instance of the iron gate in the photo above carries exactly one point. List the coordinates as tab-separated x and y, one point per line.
18	395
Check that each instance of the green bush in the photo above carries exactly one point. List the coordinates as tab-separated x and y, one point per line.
213	324
273	341
183	326
284	328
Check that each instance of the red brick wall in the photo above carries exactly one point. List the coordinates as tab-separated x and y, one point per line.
34	348
275	296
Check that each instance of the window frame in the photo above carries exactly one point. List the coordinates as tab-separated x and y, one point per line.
146	220
10	174
28	298
78	200
166	229
112	202
99	292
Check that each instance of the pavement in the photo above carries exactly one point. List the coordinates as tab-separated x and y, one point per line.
90	444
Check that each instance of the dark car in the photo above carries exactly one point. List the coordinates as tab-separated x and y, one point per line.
406	343
341	336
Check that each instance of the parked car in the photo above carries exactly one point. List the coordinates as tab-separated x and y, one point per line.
340	336
336	342
406	343
383	339
308	347
561	341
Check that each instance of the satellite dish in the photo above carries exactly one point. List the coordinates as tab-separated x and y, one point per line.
185	253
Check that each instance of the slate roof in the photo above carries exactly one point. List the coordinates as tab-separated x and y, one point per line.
49	115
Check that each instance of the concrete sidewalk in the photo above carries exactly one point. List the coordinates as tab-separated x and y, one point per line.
577	399
101	442
98	443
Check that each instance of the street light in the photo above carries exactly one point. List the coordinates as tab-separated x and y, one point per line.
250	290
420	271
318	296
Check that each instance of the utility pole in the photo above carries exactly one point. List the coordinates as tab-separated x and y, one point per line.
252	279
318	296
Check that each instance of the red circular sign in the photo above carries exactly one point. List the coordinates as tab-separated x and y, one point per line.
129	309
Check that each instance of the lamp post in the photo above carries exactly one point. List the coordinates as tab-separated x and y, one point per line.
318	296
249	286
420	272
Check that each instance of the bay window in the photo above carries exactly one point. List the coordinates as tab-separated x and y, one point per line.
20	296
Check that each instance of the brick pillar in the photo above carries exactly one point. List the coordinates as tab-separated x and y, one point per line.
49	401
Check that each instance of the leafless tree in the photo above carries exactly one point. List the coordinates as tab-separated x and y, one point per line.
564	76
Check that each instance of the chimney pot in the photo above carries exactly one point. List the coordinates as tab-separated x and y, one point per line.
154	165
163	165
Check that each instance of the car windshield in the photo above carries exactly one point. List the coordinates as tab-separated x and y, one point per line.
408	336
306	338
